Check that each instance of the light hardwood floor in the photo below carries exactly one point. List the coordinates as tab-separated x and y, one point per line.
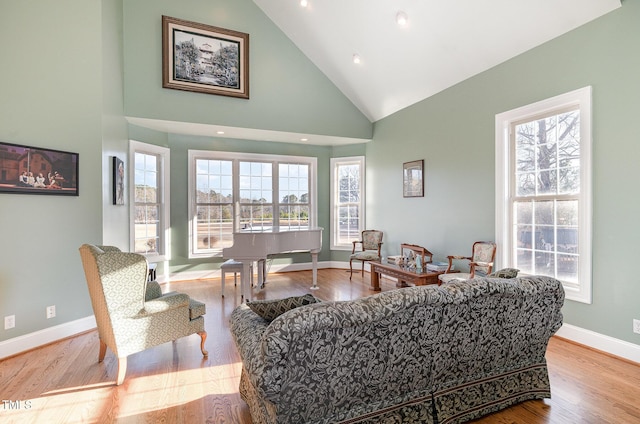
173	383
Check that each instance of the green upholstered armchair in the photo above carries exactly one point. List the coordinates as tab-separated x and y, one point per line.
132	314
371	243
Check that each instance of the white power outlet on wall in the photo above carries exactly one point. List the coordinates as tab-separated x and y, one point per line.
9	322
636	326
51	311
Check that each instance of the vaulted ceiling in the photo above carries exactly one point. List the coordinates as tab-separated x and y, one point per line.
442	43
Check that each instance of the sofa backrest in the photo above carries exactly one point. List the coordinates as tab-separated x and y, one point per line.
339	355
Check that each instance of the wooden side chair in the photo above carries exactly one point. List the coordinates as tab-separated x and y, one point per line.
371	243
481	262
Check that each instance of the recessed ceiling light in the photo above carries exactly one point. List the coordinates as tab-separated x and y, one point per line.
402	19
220	132
304	139
304	3
356	59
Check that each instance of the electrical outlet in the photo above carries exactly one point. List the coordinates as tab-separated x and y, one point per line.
636	326
51	311
9	322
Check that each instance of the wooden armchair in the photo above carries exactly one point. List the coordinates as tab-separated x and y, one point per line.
132	314
371	243
481	262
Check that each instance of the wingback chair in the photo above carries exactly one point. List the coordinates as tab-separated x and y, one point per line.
370	244
481	263
132	314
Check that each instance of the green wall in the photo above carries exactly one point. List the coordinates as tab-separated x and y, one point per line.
307	102
454	132
51	97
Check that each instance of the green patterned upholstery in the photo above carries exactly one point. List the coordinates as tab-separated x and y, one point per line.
423	354
371	244
272	309
132	314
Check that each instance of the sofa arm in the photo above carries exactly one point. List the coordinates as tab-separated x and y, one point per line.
247	329
166	303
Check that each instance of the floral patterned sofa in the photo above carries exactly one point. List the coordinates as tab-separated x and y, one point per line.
428	354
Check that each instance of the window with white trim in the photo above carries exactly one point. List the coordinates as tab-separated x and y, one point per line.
234	191
149	200
543	190
347	201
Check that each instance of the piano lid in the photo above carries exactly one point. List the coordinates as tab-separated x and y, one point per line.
258	242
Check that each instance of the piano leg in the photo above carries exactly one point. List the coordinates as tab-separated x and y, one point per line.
314	265
262	277
245	284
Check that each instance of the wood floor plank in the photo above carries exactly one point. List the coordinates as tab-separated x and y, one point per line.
64	383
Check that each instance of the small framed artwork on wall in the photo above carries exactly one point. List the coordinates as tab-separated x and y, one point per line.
118	181
412	179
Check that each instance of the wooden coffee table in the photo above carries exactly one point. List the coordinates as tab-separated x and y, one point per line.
405	276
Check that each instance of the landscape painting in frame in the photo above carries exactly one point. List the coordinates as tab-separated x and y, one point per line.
204	58
35	170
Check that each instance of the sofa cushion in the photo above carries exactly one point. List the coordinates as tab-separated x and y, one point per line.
271	309
505	273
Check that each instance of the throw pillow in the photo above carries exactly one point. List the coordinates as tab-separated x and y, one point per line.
271	309
505	273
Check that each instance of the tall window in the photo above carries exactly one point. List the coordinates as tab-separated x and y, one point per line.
544	189
149	200
347	201
236	191
294	195
214	204
256	194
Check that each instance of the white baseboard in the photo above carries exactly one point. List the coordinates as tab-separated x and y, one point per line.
48	335
601	342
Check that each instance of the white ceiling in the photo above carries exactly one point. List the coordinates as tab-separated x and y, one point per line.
445	42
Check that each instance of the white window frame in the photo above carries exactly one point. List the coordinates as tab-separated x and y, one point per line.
582	291
236	158
164	155
335	163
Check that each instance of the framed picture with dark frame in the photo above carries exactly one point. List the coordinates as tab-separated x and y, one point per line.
35	170
203	58
413	179
118	181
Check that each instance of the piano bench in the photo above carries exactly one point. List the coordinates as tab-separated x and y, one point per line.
231	266
236	267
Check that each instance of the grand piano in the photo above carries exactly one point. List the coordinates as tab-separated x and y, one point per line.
255	244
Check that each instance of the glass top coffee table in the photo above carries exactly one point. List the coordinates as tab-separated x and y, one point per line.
405	276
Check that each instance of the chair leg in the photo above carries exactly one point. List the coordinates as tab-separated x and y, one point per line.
222	282
350	268
122	370
203	337
103	351
362	270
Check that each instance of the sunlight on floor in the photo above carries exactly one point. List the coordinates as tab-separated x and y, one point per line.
102	402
